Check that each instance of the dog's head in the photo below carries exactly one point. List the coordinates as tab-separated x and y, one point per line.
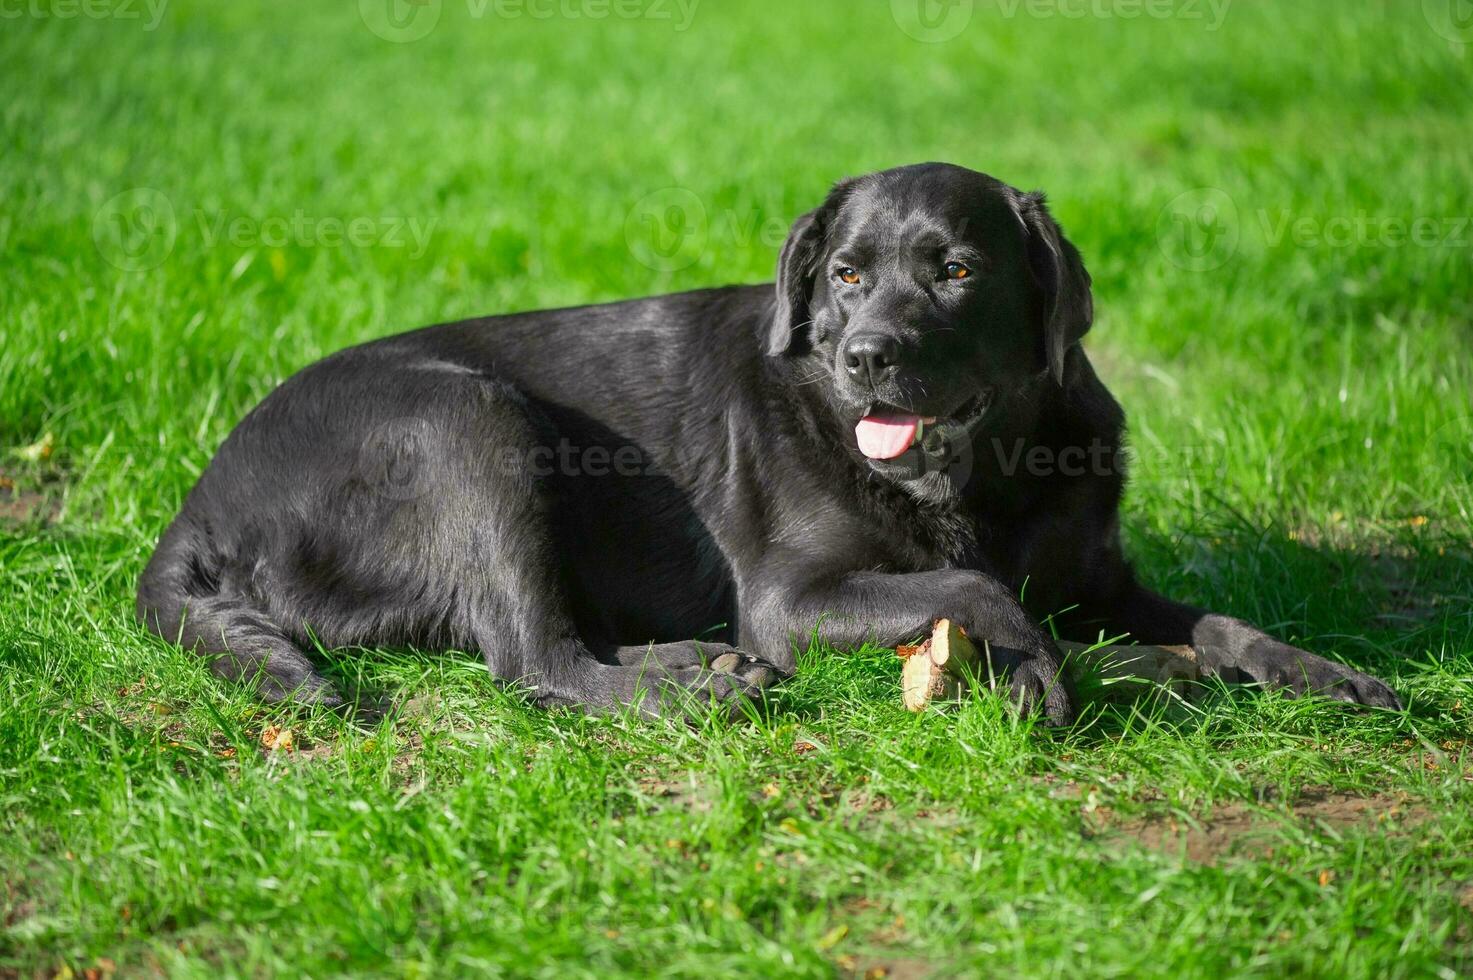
924	297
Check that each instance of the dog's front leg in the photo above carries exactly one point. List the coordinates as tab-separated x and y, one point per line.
788	602
1226	647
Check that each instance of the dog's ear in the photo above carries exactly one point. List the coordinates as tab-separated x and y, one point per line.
1059	271
795	270
797	266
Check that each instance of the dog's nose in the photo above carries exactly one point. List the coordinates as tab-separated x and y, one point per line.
871	358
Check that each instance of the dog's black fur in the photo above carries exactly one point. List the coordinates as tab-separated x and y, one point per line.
578	493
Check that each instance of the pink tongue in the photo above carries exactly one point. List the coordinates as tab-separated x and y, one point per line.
886	436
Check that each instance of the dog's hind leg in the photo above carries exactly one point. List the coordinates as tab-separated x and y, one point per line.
181	600
494	545
520	622
413	506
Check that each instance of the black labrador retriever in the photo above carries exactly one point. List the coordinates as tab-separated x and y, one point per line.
905	428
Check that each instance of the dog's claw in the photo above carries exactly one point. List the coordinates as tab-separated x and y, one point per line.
1043	697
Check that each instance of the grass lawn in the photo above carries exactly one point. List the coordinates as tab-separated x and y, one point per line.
1274	200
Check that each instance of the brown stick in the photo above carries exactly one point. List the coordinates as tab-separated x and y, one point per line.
939	668
1160	665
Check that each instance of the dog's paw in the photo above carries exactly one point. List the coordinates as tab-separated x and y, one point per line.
730	681
671	656
1037	688
1296	672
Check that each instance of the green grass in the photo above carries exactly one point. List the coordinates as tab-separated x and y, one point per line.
1300	412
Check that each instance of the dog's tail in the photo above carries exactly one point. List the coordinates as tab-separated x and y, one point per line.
187	596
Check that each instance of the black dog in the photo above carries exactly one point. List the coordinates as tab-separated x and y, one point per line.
905	428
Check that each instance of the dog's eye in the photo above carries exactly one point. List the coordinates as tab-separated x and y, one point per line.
955	270
847	274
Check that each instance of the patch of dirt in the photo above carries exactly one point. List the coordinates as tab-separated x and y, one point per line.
885	968
867	802
688	793
425	705
27	501
17	905
1237	830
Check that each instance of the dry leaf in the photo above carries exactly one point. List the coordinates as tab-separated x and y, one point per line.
36	451
277	739
832	937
